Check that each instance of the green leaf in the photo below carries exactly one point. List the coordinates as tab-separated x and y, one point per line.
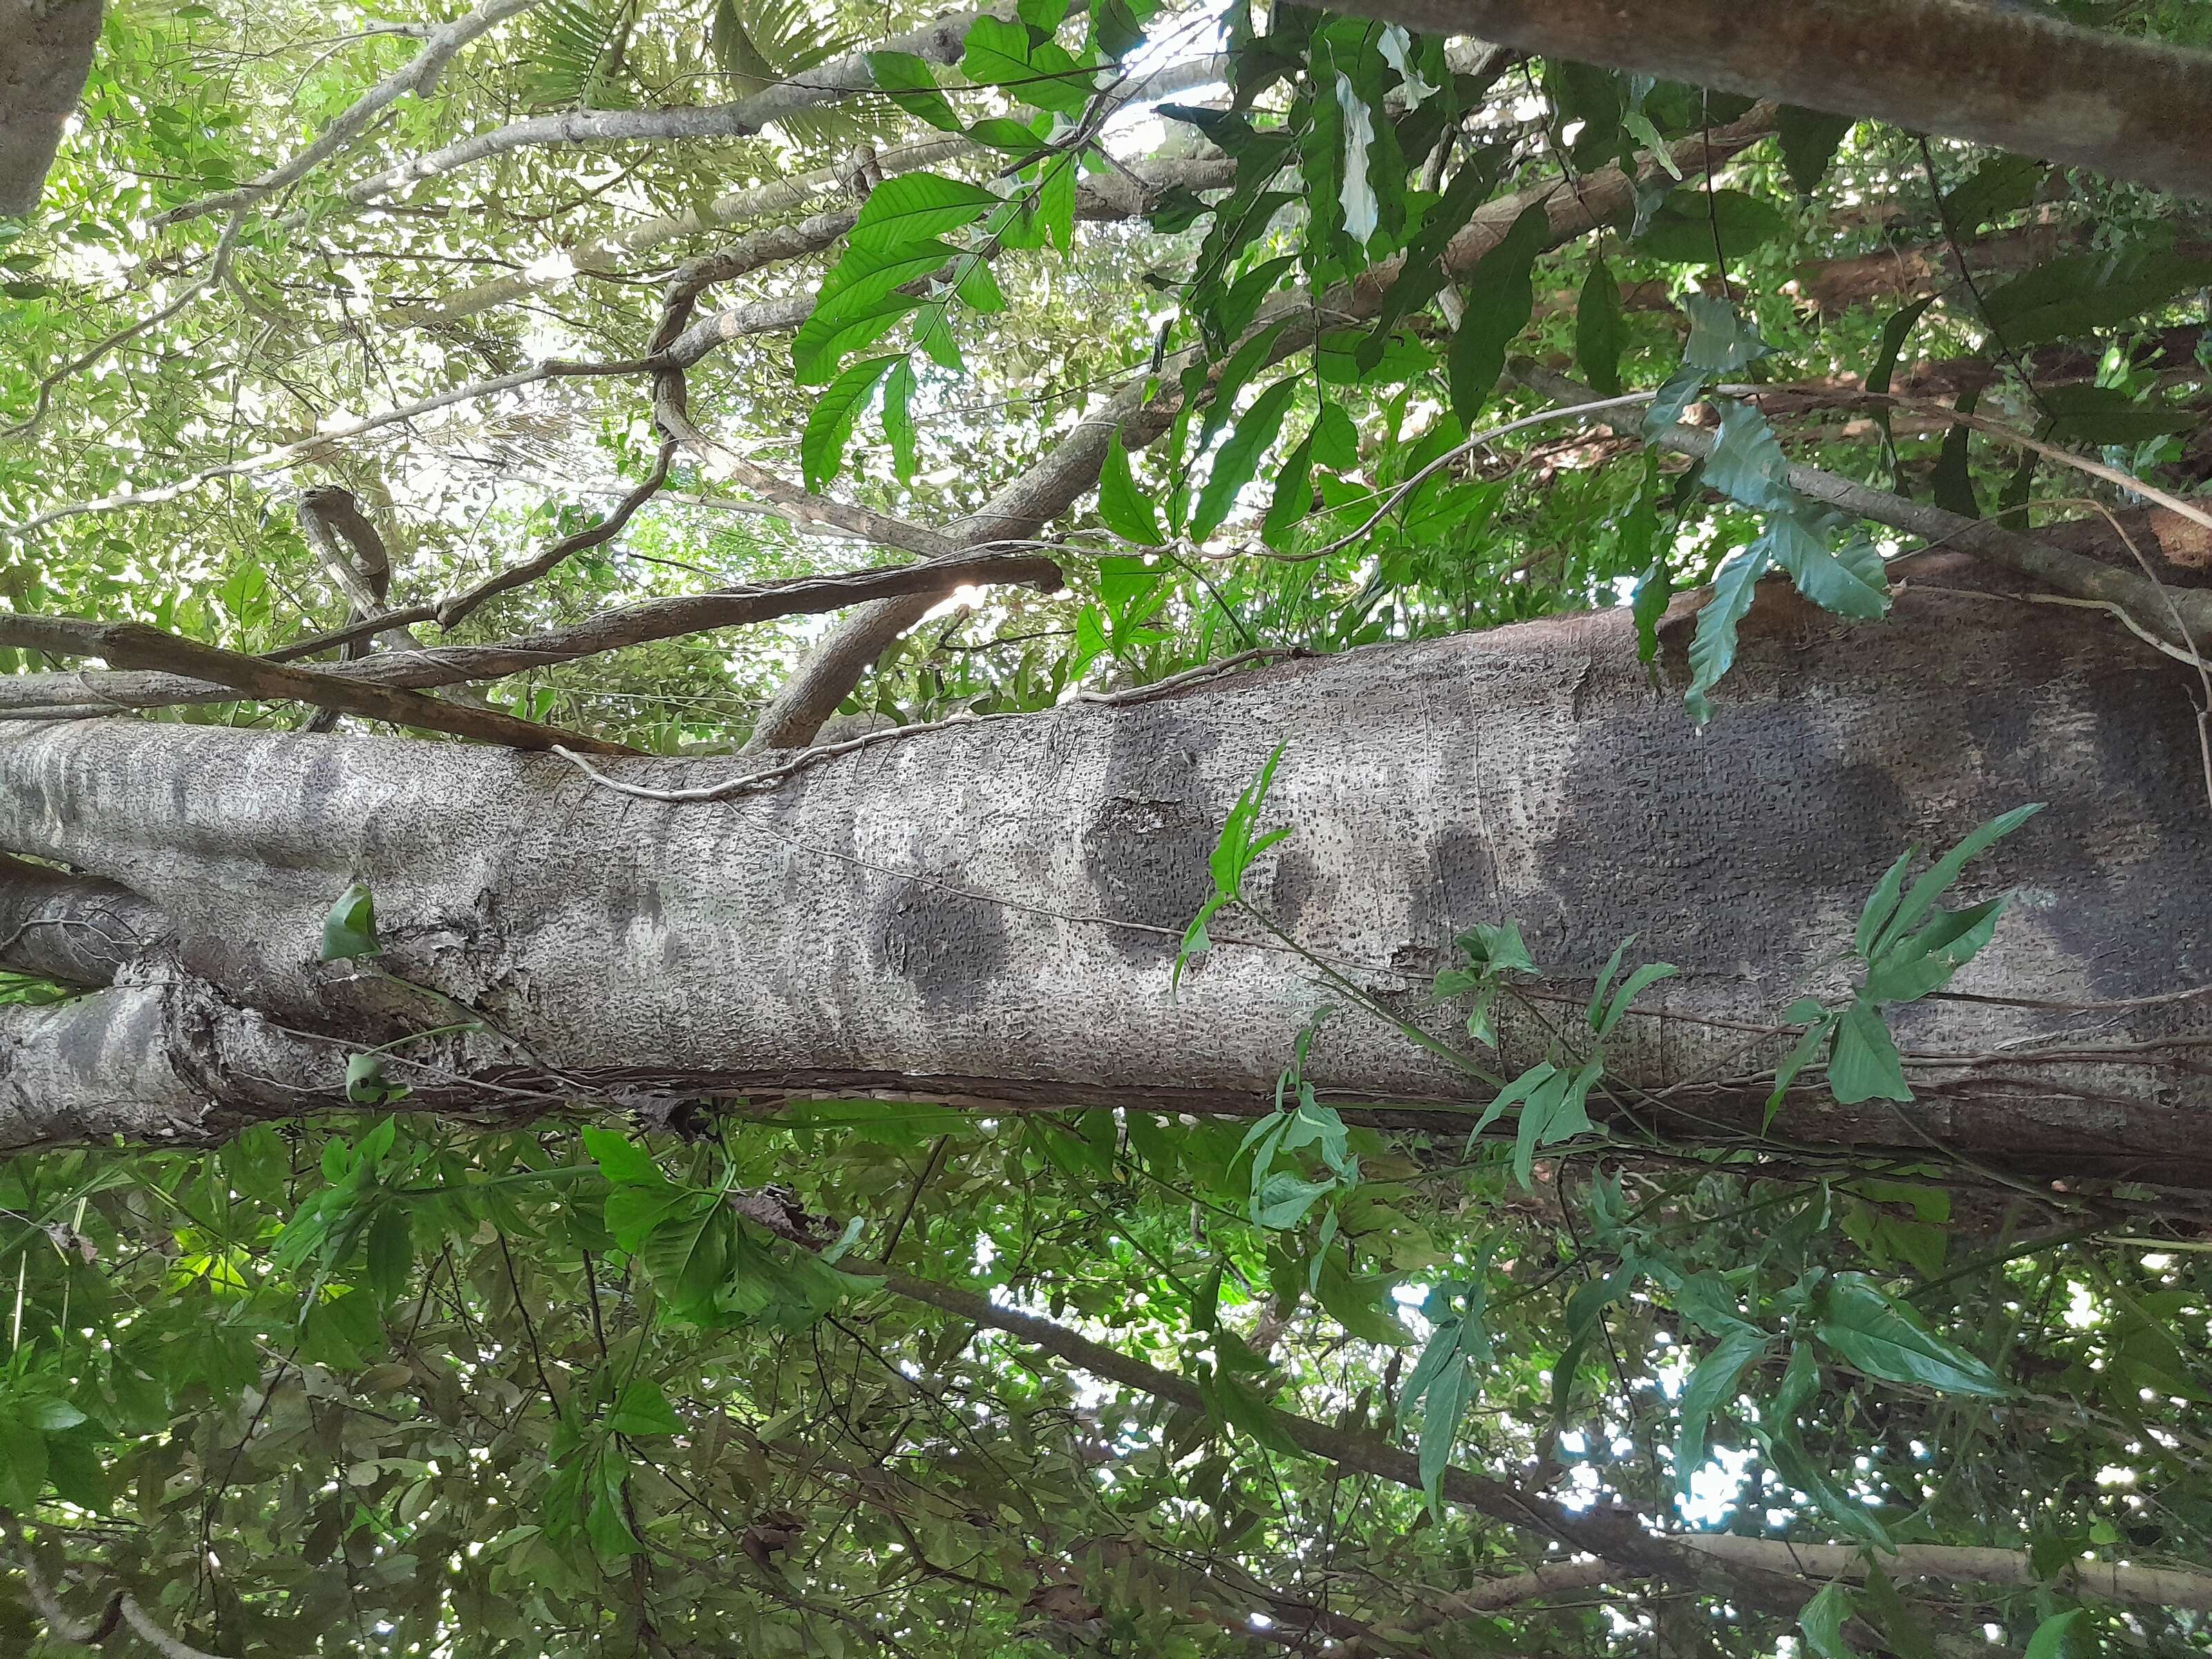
391	1252
2077	293
1925	961
622	1160
1711	1386
1823	1622
1449	1396
2100	415
349	929
1722	341
2053	1633
2002	185
1601	330
1948	869
1638	983
1055	201
643	1410
1695	227
912	85
1802	1055
1248	360
1421	275
1864	1065
1747	462
1001	53
1712	649
1881	903
1293	496
898	419
915	208
1499	299
1847	580
1127	513
1809	138
1881	1336
1239	459
829	423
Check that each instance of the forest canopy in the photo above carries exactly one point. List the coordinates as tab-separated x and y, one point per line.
1105	828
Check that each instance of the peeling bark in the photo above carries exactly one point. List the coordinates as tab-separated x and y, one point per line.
989	910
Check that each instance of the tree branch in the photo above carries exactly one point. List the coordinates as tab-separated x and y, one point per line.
313	447
1022	509
44	696
2006	75
134	645
451	612
603	257
2069	573
79	930
938	41
418	77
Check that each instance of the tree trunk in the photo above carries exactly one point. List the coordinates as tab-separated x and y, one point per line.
46	53
990	911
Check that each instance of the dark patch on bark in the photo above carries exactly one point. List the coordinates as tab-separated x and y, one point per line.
1146	850
2146	766
951	948
1456	889
1726	858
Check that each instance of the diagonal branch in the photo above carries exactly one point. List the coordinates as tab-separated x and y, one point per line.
60	695
134	645
419	75
1057	481
940	41
2001	75
2069	573
604	256
453	612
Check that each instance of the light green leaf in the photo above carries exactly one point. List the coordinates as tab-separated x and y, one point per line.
830	424
2053	1633
1127	514
1239	459
1883	1337
912	85
898	418
1864	1065
349	929
917	207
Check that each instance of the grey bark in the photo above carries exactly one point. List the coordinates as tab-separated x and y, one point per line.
2008	76
46	53
988	912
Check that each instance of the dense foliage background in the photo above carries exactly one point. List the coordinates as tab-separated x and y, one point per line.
404	1387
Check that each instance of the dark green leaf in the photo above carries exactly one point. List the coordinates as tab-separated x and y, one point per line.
1239	459
1601	330
1864	1065
1499	298
1809	138
1712	649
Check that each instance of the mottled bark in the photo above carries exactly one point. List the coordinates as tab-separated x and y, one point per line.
46	53
988	911
2002	75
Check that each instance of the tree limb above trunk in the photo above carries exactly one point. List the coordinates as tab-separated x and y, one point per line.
134	645
109	690
2006	75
